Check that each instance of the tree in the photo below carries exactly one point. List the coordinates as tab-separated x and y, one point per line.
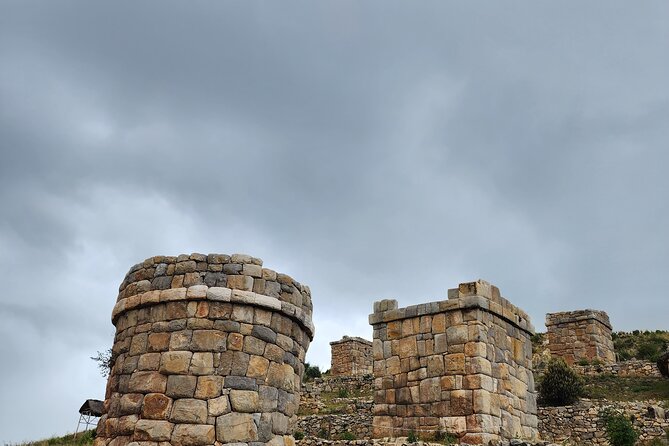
311	372
105	361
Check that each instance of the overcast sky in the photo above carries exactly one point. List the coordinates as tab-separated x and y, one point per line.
369	149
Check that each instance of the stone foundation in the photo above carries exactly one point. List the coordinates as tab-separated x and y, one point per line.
351	356
208	349
580	335
461	366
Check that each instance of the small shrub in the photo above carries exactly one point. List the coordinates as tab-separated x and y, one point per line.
560	385
323	433
619	429
583	361
347	436
412	437
298	435
342	393
445	438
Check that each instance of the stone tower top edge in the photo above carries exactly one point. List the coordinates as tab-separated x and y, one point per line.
478	294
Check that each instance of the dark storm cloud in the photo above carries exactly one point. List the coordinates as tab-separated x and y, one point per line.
370	150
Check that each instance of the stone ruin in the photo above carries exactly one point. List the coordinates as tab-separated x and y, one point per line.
461	366
351	356
208	350
583	335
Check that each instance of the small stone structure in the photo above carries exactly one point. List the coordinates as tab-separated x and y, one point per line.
209	349
461	366
351	356
580	335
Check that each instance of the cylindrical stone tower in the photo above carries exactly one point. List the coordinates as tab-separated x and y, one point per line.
209	349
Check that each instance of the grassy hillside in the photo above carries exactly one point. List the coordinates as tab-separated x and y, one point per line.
83	439
647	345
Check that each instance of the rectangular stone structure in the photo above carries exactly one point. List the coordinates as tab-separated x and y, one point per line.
461	366
582	335
351	356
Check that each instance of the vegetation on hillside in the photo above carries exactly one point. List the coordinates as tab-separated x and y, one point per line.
83	439
647	345
622	388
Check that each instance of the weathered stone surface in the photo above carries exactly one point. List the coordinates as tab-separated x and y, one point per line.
179	386
189	410
175	363
258	367
218	406
244	283
156	406
208	341
131	403
244	401
236	427
193	435
147	382
153	430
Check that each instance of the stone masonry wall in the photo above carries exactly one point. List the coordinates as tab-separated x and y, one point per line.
462	366
359	424
208	348
583	334
351	356
581	423
633	367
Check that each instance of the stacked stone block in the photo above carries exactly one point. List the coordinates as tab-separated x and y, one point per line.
580	335
351	356
461	366
209	349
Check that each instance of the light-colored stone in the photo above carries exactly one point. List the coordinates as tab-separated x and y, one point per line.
193	435
175	363
153	430
236	427
244	401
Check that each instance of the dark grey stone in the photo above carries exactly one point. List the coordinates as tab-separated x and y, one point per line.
232	268
264	333
215	279
240	383
161	283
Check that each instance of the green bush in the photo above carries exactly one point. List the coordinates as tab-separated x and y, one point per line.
311	372
412	437
619	429
347	436
322	433
583	361
560	385
298	435
342	393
